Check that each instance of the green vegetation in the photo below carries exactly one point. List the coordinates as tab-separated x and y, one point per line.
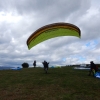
59	84
25	65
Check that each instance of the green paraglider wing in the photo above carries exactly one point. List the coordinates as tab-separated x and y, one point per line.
51	31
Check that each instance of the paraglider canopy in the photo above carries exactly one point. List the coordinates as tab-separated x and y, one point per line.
52	30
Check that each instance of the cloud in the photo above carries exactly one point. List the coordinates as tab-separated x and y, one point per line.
20	18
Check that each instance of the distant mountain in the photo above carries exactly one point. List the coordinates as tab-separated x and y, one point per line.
5	67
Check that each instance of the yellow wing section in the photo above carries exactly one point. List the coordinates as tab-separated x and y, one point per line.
51	31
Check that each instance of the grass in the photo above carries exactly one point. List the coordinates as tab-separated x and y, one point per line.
59	84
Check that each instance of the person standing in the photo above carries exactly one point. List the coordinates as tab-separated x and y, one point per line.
46	65
92	68
34	63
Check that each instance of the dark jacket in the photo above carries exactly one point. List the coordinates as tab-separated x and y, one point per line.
45	64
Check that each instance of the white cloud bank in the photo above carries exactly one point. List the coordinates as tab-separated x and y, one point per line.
19	18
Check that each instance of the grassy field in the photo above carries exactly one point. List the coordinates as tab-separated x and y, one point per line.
59	84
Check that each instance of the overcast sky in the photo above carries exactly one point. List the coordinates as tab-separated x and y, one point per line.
20	18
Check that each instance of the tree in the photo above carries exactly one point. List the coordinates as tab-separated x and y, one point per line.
25	65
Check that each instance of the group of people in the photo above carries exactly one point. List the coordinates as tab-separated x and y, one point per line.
93	68
45	65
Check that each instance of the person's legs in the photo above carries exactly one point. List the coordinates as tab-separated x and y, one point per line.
90	72
93	71
46	69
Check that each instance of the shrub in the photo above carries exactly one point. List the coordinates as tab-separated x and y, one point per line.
25	65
